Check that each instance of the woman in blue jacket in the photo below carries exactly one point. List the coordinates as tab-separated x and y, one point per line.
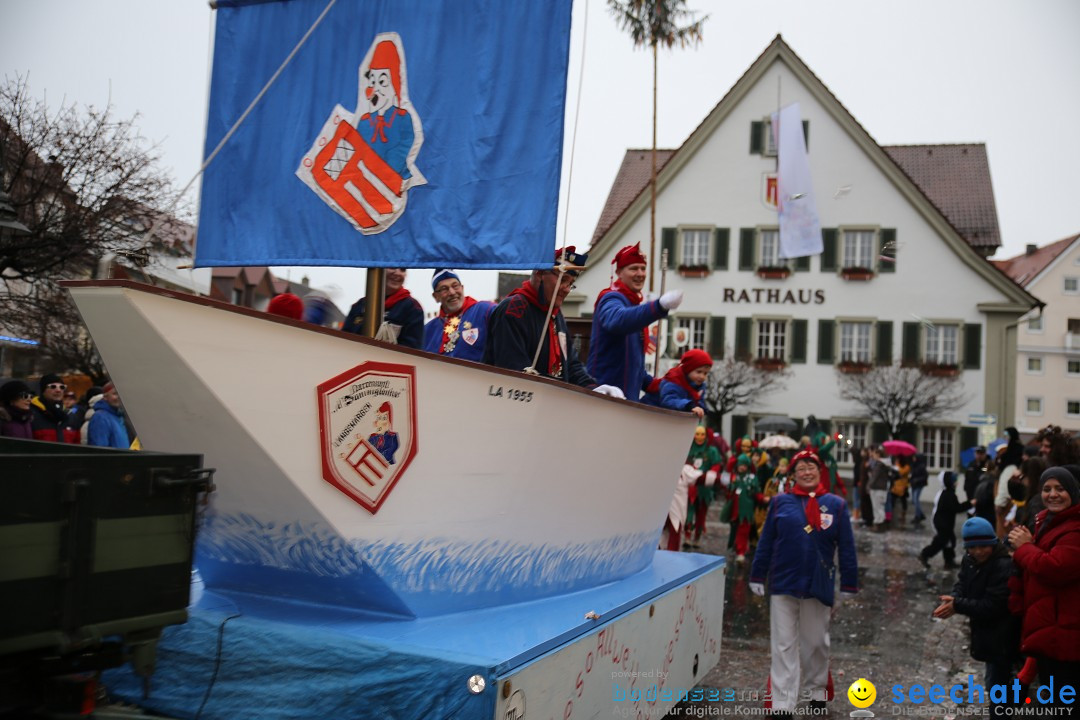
804	531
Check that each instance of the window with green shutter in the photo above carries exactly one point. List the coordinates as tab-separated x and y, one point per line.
884	343
798	341
828	251
972	346
802	264
668	237
757	135
826	343
879	433
969	437
721	248
910	350
743	329
887	256
740	426
746	249
717	329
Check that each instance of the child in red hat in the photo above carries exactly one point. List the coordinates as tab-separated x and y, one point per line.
683	385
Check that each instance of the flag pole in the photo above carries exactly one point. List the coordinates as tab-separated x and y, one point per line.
660	322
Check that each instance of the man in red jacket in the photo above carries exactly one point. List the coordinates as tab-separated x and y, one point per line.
50	421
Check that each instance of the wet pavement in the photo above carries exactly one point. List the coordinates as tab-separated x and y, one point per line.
886	634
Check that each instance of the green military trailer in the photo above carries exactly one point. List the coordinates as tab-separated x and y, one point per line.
96	552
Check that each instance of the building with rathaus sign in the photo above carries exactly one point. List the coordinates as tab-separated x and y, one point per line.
904	274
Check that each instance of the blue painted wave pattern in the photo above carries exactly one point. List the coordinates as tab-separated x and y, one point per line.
434	565
448	566
243	539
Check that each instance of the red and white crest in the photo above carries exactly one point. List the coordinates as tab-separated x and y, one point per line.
770	191
367	429
363	162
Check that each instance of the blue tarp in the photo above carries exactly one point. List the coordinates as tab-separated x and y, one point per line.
270	659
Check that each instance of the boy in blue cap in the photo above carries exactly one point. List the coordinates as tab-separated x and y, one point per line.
982	593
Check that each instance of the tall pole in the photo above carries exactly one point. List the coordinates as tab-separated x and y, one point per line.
376	301
652	177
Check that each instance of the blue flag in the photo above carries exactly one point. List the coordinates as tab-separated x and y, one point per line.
405	133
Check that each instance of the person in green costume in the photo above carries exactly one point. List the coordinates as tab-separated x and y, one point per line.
704	456
739	511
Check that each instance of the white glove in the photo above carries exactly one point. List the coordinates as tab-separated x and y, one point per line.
710	478
610	390
671	300
757	588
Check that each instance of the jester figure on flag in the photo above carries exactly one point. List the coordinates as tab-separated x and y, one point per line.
363	163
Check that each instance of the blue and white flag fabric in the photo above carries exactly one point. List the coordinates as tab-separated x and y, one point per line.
800	228
404	133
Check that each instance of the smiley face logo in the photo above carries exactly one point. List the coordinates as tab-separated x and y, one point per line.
862	693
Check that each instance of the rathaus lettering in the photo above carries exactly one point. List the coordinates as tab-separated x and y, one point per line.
774	296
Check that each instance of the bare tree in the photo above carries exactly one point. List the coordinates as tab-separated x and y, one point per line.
733	383
901	397
77	177
653	23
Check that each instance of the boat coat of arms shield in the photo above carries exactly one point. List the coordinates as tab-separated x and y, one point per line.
367	430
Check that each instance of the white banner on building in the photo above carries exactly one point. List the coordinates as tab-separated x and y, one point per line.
800	229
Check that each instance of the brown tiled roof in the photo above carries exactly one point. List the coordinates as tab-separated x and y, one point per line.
956	179
632	180
1024	268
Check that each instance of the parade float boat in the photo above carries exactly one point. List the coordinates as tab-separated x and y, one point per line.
393	533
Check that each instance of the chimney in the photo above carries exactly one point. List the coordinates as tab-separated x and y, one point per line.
1031	248
305	281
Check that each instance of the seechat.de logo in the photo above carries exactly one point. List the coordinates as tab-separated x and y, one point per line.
862	694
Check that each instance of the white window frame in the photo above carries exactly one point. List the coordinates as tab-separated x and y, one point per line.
855	430
1074	282
1069	413
701	238
1068	371
768	143
1041	370
773	259
1034	325
939	446
863	246
777	344
1027	406
938	347
698	325
853	344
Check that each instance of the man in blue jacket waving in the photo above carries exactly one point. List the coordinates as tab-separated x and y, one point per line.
620	321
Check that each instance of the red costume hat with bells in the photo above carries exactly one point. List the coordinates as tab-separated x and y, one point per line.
813	512
629	255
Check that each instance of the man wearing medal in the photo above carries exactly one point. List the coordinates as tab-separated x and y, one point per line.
460	329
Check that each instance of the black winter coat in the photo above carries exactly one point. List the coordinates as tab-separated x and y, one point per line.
946	508
982	593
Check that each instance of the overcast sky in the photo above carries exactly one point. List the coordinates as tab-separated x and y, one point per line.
1002	72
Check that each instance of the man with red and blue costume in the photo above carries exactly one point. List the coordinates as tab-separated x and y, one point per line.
521	323
401	310
620	322
461	328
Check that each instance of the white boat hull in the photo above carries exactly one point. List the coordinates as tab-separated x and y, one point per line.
504	499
